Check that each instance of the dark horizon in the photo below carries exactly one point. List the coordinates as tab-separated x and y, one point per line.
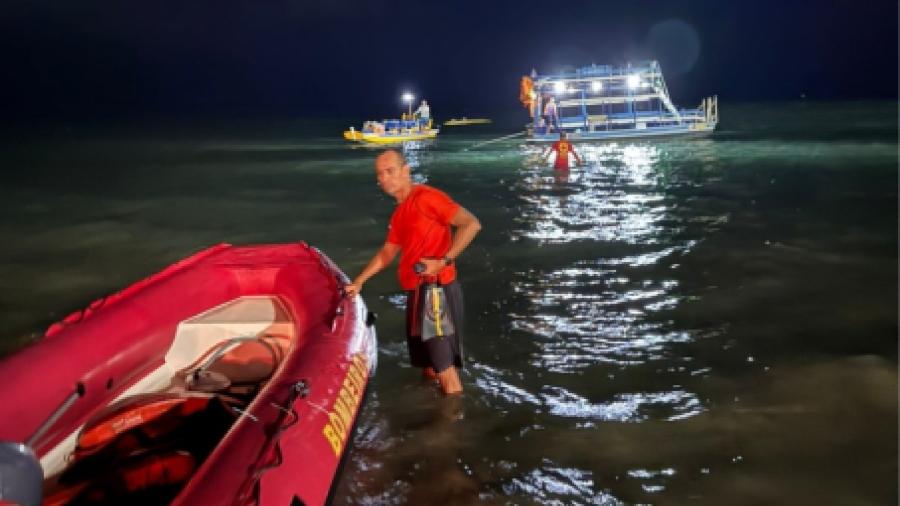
292	59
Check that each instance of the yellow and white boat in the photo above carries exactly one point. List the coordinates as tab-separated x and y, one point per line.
392	131
466	121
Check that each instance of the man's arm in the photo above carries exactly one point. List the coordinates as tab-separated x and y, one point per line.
467	227
575	153
546	154
382	259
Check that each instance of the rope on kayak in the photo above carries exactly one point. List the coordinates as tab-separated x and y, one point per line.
498	139
286	420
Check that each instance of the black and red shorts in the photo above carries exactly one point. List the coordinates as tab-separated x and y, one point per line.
441	352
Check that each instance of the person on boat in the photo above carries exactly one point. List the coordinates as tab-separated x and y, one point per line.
420	230
424	111
563	148
551	114
424	114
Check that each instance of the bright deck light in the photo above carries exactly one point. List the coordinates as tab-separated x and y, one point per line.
596	86
634	81
408	98
559	87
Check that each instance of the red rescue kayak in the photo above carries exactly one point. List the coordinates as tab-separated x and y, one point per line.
234	376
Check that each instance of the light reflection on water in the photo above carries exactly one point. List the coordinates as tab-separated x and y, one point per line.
558	401
595	311
597	314
612	199
551	481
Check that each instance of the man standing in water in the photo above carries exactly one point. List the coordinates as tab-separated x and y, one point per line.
563	148
420	231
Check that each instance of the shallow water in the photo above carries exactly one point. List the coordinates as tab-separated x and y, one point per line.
710	321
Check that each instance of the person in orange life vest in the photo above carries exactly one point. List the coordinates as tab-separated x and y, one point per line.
563	148
420	231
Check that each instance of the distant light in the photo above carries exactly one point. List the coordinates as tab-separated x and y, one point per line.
634	81
408	97
596	86
559	86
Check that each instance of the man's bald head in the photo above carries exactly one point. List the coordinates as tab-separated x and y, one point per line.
391	155
393	174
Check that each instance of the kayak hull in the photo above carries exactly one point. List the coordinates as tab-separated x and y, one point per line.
285	443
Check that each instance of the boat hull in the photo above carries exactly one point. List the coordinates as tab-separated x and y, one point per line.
288	441
692	130
389	138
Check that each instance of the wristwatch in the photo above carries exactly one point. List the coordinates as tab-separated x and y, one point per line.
448	261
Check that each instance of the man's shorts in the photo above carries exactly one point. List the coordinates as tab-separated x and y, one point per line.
438	353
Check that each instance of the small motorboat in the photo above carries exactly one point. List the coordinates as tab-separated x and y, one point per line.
393	131
234	376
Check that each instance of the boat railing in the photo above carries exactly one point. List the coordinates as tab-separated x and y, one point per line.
405	124
601	71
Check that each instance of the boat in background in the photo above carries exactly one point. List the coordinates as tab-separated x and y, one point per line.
234	376
609	102
466	121
393	131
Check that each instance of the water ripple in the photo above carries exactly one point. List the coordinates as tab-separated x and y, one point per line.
556	484
630	407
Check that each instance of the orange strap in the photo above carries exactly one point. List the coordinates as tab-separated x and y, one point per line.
106	429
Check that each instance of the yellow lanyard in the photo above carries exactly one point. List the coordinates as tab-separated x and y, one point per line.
436	308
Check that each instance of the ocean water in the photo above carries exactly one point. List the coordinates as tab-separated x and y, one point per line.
709	321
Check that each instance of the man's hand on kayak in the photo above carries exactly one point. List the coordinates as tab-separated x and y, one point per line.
352	289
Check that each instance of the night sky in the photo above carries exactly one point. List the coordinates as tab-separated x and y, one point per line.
87	58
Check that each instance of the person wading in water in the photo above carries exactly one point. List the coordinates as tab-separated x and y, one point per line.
563	148
420	230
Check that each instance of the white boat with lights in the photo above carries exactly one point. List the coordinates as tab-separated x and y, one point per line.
601	102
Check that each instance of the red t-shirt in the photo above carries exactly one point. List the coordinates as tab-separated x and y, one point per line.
421	227
562	148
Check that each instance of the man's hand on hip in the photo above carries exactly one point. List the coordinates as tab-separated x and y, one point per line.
433	266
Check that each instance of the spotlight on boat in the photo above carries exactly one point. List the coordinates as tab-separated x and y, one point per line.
596	86
408	98
559	87
634	81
